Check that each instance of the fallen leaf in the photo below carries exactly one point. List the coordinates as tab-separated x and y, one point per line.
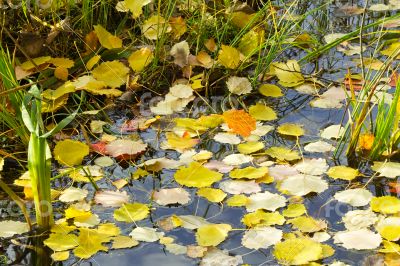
343	172
265	200
139	59
70	152
297	251
11	228
212	234
238	85
73	194
302	184
154	27
168	196
196	175
362	239
110	198
229	57
106	39
261	237
212	194
262	112
146	234
131	212
356	197
240	122
112	73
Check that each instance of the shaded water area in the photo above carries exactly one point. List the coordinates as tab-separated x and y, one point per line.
293	107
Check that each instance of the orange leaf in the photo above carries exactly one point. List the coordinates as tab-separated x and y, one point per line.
240	122
365	141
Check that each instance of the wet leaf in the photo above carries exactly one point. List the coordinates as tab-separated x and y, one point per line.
237	201
297	251
146	234
362	239
294	210
262	112
109	198
227	138
240	122
90	242
73	194
249	173
387	169
358	219
307	224
291	130
125	148
212	234
168	196
60	256
288	73
261	237
283	153
70	152
61	242
270	90
355	197
120	242
196	175
343	172
212	194
301	184
319	146
11	228
385	204
250	147
265	200
312	166
263	218
239	186
237	159
131	212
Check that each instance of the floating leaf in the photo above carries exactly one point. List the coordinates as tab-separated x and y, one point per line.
265	200
238	85
106	39
358	219
262	112
237	159
239	186
73	194
196	175
180	143
125	148
227	138
139	59
250	147
237	201
297	251
261	217
11	228
301	184
288	73
343	172
261	237
249	173
60	256
229	57
283	154
70	152
270	90
109	198
358	239
61	242
356	197
385	204
319	146
123	242
112	73
168	196
392	50
307	224
294	210
312	166
387	169
90	242
146	234
212	234
291	130
212	194
131	212
332	132
240	122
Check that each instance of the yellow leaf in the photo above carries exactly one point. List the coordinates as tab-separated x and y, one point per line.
60	256
288	73
262	112
123	242
139	59
90	242
178	26
307	224
108	229
294	210
242	19
112	73
250	147
70	152
154	27
249	173
385	204
211	45
237	201
135	6
131	212
283	154
180	143
251	41
64	89
390	232
391	50
229	57
61	73
297	251
212	194
50	106
61	242
28	65
62	62
106	39
212	234
270	90
196	175
93	61
263	218
343	172
289	129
